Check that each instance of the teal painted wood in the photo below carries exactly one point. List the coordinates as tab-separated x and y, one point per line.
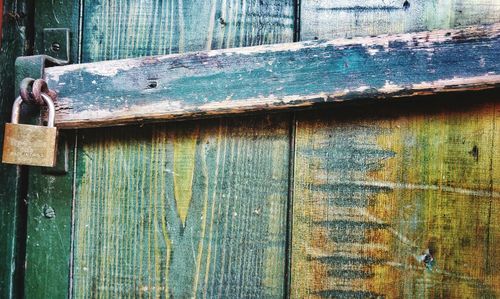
196	248
108	32
347	18
183	210
11	188
57	14
120	29
204	84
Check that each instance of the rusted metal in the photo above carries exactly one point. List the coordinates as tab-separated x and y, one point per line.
25	90
31	91
39	88
33	67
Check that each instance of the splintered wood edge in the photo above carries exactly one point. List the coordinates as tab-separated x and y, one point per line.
163	110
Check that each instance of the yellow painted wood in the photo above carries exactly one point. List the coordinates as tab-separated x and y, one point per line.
377	187
184	159
131	236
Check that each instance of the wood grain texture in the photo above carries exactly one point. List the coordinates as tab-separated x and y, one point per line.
57	14
347	18
1	21
182	210
48	245
377	187
186	209
11	186
49	196
120	29
231	81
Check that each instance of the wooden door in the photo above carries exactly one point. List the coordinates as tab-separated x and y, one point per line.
341	203
223	232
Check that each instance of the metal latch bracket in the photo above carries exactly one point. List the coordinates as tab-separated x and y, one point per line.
56	52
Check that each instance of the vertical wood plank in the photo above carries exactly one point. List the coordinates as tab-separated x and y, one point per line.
183	210
11	186
493	250
188	209
119	29
326	19
378	188
48	244
1	21
57	14
50	196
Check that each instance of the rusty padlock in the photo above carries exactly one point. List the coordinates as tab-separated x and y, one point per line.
29	144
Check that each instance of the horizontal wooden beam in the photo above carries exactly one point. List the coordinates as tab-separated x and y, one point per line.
231	81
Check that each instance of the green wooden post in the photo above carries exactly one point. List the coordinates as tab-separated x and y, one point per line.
12	209
50	196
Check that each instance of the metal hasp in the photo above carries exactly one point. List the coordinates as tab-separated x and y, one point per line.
56	48
56	53
29	144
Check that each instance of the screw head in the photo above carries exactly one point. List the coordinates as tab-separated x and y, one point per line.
48	211
55	47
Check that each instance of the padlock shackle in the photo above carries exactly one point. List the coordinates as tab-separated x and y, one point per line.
16	110
52	110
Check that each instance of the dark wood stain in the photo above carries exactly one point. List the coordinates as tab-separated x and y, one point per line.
12	187
394	203
1	21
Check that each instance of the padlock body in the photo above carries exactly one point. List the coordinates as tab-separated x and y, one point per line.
29	145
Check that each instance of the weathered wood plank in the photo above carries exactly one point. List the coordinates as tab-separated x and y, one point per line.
57	14
50	196
347	18
121	29
12	190
274	77
48	245
182	210
375	188
239	244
